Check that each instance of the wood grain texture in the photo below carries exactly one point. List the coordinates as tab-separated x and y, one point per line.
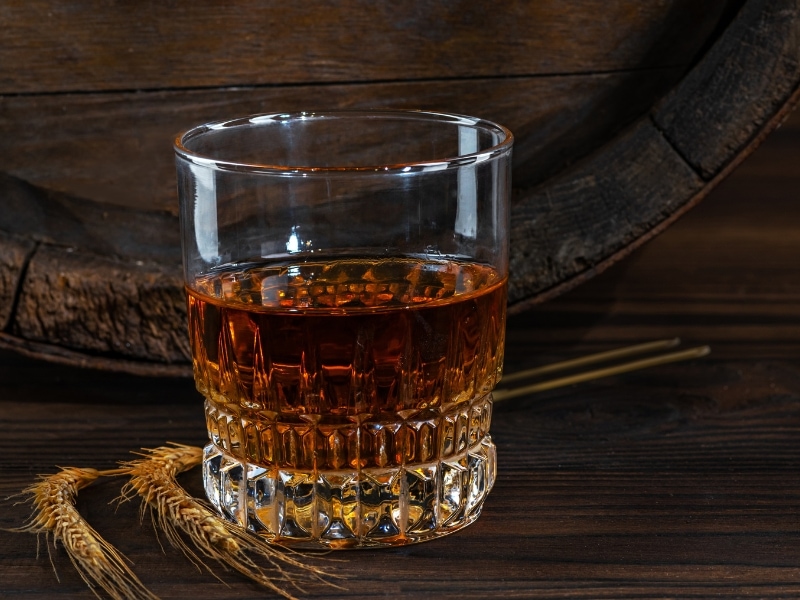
80	300
735	137
14	252
116	148
677	482
634	186
94	195
64	356
577	219
92	45
73	223
726	275
717	109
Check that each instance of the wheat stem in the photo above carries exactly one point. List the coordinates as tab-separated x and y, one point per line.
176	512
99	564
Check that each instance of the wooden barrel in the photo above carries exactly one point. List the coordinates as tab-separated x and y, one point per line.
626	114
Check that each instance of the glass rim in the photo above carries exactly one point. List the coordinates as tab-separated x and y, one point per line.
423	166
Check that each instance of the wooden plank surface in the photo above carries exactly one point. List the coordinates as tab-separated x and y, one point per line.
61	288
91	45
116	148
714	113
680	482
557	231
14	252
86	154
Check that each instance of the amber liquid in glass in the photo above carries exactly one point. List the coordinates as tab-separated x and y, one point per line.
324	366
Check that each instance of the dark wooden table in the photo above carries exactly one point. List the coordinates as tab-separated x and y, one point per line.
682	481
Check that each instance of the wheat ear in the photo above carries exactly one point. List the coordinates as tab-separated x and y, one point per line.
98	562
153	477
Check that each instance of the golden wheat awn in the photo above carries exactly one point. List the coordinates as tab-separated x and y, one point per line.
54	514
153	477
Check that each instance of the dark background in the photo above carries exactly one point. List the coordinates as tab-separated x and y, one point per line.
680	481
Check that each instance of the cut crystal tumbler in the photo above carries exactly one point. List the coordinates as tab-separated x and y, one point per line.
346	279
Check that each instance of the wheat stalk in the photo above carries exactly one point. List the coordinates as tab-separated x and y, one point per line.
98	562
175	511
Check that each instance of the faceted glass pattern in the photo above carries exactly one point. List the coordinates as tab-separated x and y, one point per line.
346	277
412	436
370	506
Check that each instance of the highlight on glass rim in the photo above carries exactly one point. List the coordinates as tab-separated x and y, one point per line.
346	275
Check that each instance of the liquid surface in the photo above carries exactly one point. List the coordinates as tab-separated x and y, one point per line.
348	364
347	337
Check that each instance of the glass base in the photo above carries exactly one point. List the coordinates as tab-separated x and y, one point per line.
369	507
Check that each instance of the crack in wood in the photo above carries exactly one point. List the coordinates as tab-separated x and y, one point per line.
676	148
17	294
352	82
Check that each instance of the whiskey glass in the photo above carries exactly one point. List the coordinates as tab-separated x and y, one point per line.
346	280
